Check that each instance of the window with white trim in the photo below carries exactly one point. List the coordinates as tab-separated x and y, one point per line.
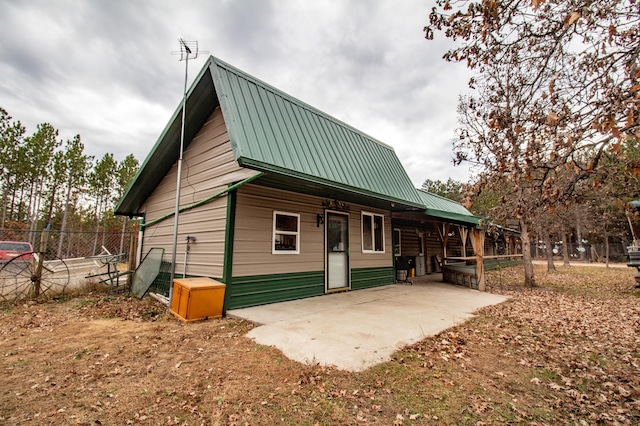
286	233
372	233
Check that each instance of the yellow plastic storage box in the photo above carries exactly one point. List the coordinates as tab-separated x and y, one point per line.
196	299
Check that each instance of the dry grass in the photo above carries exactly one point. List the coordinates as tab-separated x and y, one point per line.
566	352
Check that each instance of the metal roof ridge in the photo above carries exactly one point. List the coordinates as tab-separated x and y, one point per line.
291	98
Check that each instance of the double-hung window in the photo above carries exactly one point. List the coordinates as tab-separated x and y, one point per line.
372	233
286	233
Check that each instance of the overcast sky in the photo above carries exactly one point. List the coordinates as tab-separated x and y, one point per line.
104	68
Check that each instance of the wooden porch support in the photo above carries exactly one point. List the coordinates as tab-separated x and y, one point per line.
444	237
477	241
464	232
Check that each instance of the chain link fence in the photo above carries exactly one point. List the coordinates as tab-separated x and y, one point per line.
79	249
63	262
73	245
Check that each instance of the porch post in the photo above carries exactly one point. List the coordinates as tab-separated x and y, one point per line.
477	236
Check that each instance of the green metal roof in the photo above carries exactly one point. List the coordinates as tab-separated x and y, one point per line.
273	132
445	208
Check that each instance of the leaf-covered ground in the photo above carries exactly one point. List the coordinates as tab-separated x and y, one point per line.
567	352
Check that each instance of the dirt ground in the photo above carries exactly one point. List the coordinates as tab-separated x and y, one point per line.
567	352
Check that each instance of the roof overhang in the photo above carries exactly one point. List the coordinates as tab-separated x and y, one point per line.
462	219
311	185
431	215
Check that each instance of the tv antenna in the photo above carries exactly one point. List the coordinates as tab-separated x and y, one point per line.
188	51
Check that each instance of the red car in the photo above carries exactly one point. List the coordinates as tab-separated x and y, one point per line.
11	249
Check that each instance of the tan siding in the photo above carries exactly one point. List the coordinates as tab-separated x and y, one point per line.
208	168
252	254
369	260
254	233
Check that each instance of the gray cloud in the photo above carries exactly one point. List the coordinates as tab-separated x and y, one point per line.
104	68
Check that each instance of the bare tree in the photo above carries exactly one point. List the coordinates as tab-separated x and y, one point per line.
557	87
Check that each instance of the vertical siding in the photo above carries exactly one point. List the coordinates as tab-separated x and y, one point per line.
408	241
254	228
433	246
208	167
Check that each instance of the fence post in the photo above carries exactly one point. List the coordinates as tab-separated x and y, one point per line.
133	251
41	252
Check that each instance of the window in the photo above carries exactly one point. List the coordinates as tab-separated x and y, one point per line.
372	233
286	233
397	248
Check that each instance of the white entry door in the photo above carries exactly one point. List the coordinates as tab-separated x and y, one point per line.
337	243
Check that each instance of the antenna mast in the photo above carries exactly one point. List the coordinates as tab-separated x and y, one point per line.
188	50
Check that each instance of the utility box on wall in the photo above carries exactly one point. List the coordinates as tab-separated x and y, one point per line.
196	299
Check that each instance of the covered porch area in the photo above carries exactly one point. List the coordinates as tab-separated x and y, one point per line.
446	239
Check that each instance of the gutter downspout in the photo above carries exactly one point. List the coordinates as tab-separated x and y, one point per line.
140	240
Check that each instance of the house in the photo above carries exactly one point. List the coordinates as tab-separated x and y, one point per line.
284	201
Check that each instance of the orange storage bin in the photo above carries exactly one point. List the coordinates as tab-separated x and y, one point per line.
196	299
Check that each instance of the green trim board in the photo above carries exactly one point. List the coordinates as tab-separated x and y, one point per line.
263	289
206	200
372	277
229	237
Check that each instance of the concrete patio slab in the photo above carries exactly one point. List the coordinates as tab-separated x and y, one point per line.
356	330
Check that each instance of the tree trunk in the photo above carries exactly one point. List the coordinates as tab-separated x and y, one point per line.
97	229
6	186
5	195
606	247
582	250
13	202
551	267
565	249
52	201
529	279
65	215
